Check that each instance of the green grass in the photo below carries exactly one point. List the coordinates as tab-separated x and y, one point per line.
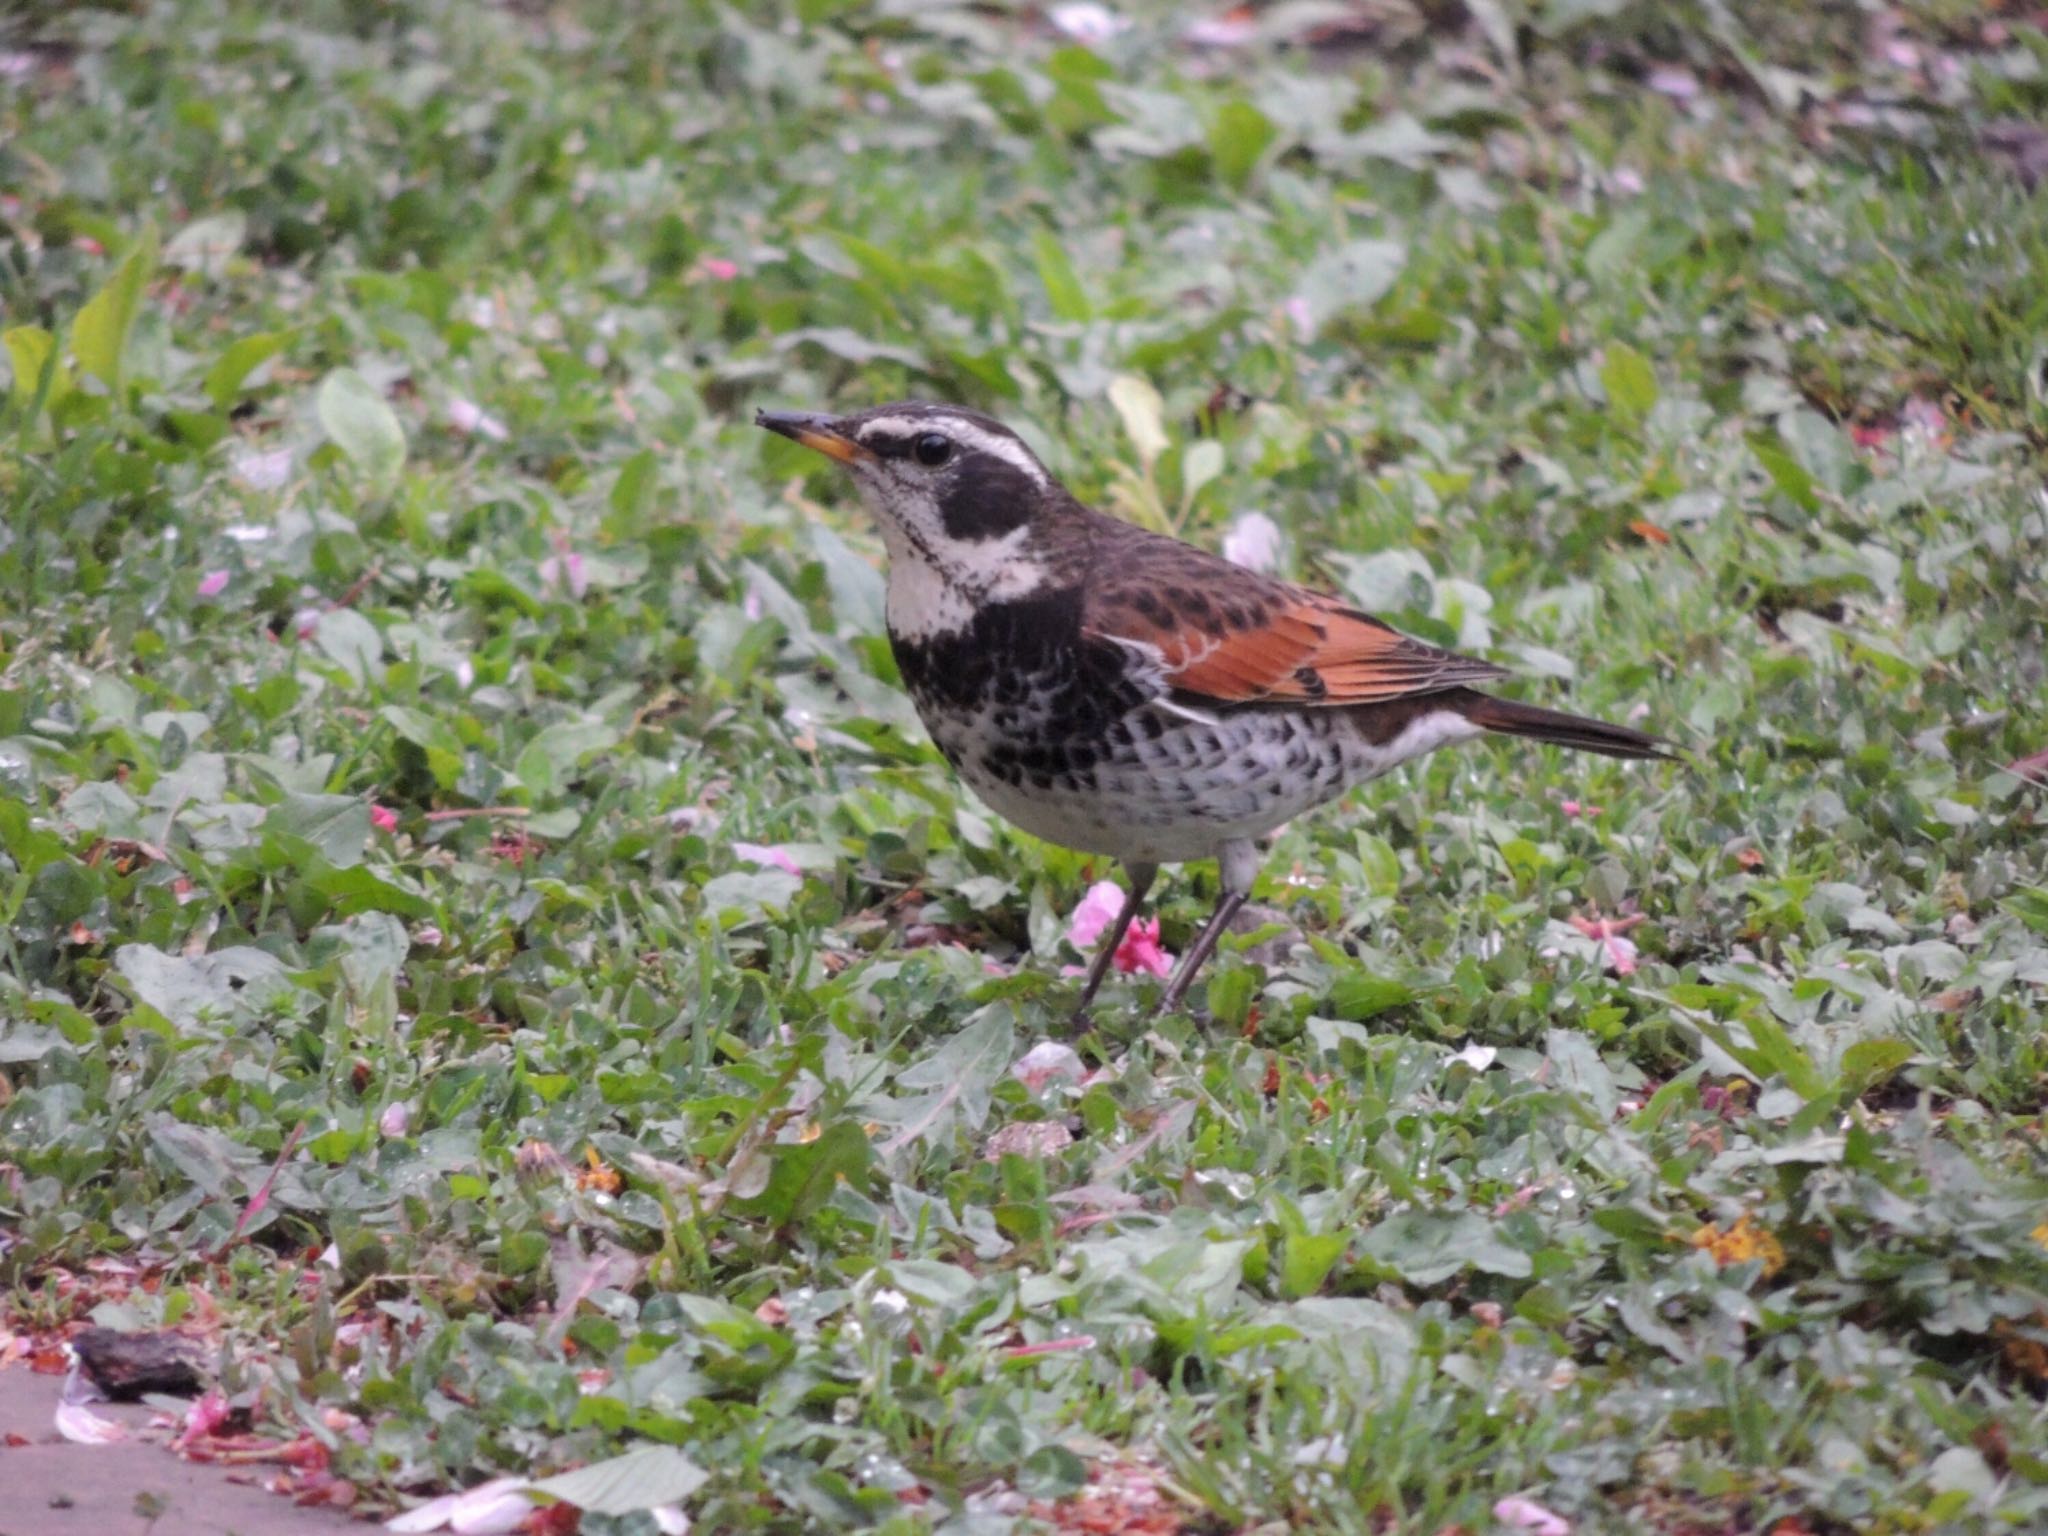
1725	410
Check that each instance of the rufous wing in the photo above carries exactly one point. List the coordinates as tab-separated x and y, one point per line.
1279	644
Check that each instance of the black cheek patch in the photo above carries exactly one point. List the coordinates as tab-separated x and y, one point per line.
986	498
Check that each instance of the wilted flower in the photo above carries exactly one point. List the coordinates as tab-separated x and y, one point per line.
563	571
1620	952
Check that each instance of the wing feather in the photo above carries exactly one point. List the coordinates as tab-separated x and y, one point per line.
1248	639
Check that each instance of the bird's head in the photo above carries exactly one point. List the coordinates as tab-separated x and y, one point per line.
947	484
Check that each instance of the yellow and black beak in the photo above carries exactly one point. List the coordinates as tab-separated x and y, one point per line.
814	431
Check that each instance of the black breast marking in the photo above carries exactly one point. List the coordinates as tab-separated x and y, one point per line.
1029	658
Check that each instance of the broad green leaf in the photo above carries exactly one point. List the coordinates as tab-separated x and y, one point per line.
1238	137
1351	277
351	641
214	1162
336	827
31	351
190	989
432	736
99	336
1786	472
360	422
241	358
1062	286
1306	1259
802	1174
552	757
1200	465
1630	382
966	1068
645	1478
1425	1247
1357	995
207	245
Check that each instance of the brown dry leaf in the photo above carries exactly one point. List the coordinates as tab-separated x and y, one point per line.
599	1175
1740	1243
1123	1498
2023	1352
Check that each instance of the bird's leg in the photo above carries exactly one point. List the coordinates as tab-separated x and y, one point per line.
1238	865
1184	974
1141	877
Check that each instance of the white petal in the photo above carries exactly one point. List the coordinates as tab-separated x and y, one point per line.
80	1425
1253	542
430	1516
491	1509
670	1520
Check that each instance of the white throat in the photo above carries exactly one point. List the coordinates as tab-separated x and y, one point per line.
936	584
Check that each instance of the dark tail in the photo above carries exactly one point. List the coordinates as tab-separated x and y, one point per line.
1513	719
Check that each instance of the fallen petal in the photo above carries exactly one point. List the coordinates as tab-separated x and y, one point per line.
472	420
491	1509
1253	542
768	856
80	1425
430	1516
1527	1515
1047	1060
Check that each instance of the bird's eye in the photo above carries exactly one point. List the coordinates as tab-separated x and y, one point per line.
933	449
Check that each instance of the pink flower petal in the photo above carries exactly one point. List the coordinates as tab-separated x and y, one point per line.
718	267
1140	949
1527	1515
1098	909
213	583
396	1119
208	1412
768	856
563	572
383	818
